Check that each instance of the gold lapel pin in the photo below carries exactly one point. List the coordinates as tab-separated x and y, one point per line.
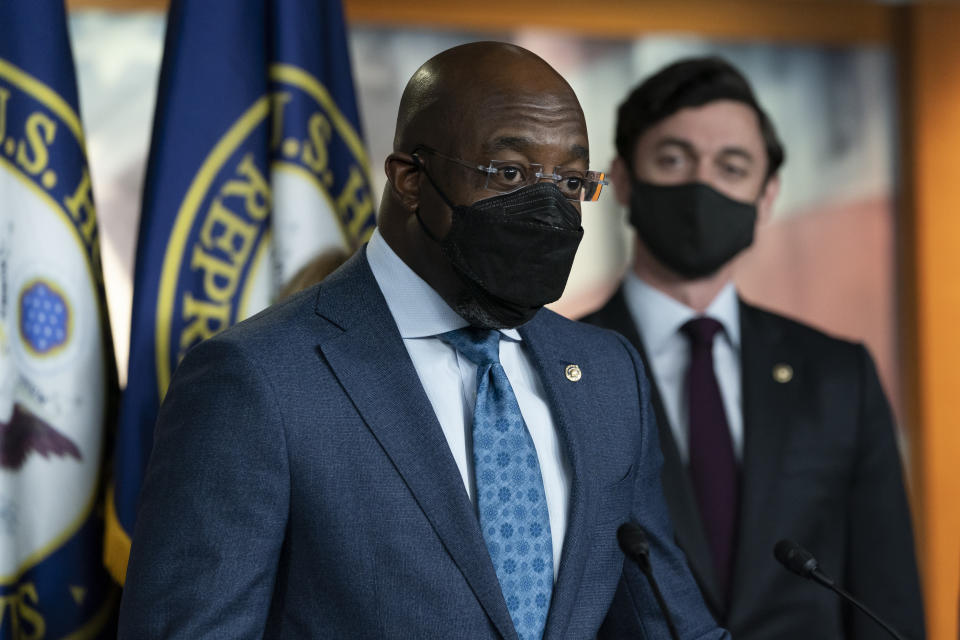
573	373
783	373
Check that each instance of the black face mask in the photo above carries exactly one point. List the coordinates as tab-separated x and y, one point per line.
512	252
691	228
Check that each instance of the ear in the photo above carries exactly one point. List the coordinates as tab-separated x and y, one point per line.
621	179
403	174
767	197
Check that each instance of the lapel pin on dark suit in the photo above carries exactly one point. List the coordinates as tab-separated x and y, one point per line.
573	373
782	373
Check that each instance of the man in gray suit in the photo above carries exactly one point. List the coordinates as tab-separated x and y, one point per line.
414	448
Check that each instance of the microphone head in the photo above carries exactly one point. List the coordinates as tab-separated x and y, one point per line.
795	558
633	541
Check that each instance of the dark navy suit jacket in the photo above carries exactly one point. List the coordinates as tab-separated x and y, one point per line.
300	486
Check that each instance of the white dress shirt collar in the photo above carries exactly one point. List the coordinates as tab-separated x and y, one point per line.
660	317
418	310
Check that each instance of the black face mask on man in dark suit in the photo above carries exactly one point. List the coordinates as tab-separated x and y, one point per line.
513	252
691	228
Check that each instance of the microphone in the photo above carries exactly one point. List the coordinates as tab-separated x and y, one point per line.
801	562
634	544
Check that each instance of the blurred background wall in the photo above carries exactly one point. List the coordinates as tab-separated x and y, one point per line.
866	97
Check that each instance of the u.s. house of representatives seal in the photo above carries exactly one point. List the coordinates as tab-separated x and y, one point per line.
52	357
286	181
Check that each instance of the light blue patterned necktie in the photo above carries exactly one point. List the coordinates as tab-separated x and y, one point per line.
510	499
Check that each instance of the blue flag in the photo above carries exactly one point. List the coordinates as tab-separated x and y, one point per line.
57	373
255	167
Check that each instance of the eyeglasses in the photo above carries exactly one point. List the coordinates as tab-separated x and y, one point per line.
505	176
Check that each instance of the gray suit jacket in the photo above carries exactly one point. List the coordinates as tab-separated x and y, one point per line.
300	486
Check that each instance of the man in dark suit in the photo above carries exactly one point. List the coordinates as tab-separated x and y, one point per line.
769	428
412	449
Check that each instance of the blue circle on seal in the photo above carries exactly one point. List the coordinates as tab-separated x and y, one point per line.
44	318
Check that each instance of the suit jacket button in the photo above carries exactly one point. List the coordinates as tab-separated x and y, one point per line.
573	373
783	373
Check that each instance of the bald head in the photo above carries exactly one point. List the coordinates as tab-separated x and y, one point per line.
450	92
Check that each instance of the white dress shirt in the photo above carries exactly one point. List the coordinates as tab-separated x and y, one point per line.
450	380
659	319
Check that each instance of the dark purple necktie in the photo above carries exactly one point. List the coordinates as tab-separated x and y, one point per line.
713	467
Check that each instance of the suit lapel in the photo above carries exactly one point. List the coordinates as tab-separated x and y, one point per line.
363	348
769	399
572	404
677	489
